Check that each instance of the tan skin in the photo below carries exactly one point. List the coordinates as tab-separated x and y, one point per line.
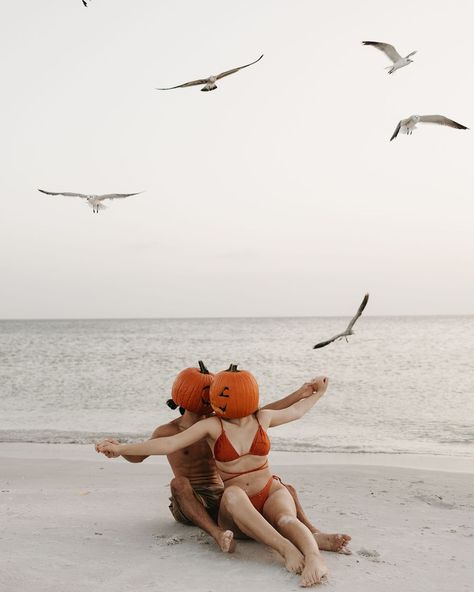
195	466
278	527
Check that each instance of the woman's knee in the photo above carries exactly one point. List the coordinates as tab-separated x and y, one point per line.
285	519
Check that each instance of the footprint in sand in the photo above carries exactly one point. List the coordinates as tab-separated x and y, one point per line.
202	538
174	540
370	554
435	500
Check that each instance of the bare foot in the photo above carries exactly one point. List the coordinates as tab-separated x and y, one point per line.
314	570
333	542
294	560
226	542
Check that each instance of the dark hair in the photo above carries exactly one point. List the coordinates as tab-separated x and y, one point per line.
172	405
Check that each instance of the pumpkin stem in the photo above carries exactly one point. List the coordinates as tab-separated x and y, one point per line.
233	368
229	369
203	368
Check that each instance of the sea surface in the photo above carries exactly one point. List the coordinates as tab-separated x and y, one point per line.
399	385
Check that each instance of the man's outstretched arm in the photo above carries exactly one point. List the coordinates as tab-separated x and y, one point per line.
304	391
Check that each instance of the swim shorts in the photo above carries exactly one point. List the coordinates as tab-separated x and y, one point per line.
209	497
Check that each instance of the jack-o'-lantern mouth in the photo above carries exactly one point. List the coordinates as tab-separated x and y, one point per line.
234	393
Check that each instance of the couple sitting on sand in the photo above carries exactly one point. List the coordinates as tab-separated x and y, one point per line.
218	452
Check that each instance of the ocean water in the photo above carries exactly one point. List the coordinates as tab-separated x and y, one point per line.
400	385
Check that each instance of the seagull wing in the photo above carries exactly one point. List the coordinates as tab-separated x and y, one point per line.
328	341
363	304
387	49
116	195
234	70
397	129
85	3
441	120
192	83
66	193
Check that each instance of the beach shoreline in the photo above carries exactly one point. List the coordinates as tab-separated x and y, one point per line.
85	452
73	519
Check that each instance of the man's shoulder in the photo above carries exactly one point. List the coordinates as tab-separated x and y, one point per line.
176	426
167	429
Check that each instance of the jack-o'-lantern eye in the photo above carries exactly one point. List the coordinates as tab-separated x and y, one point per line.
240	389
191	389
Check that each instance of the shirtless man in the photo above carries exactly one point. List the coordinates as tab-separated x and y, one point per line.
196	488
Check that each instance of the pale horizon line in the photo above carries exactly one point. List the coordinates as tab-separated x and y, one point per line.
184	318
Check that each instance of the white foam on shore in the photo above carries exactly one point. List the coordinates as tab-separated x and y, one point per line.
277	458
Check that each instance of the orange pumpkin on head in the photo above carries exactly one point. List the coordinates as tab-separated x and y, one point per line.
190	390
234	393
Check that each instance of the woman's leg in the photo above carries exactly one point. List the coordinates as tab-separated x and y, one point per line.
236	510
326	542
280	510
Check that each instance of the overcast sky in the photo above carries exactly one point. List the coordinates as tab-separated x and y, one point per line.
277	194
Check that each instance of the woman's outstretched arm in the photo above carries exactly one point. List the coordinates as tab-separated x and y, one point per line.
160	432
166	445
274	418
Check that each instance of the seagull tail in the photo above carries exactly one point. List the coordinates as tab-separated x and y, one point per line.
209	87
97	206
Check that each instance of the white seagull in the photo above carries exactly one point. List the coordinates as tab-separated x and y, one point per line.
392	54
348	330
406	126
95	201
210	82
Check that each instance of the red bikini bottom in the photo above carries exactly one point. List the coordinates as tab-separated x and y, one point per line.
258	499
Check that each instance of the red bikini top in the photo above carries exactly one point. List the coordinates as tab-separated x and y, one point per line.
225	452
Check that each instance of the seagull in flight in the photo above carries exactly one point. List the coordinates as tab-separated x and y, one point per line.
85	2
392	54
210	82
406	126
95	201
348	331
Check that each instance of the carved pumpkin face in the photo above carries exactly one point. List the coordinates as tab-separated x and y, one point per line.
234	393
190	389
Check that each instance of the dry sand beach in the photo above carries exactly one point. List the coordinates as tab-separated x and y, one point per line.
74	521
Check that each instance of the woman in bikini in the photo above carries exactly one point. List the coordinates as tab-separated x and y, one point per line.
255	503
